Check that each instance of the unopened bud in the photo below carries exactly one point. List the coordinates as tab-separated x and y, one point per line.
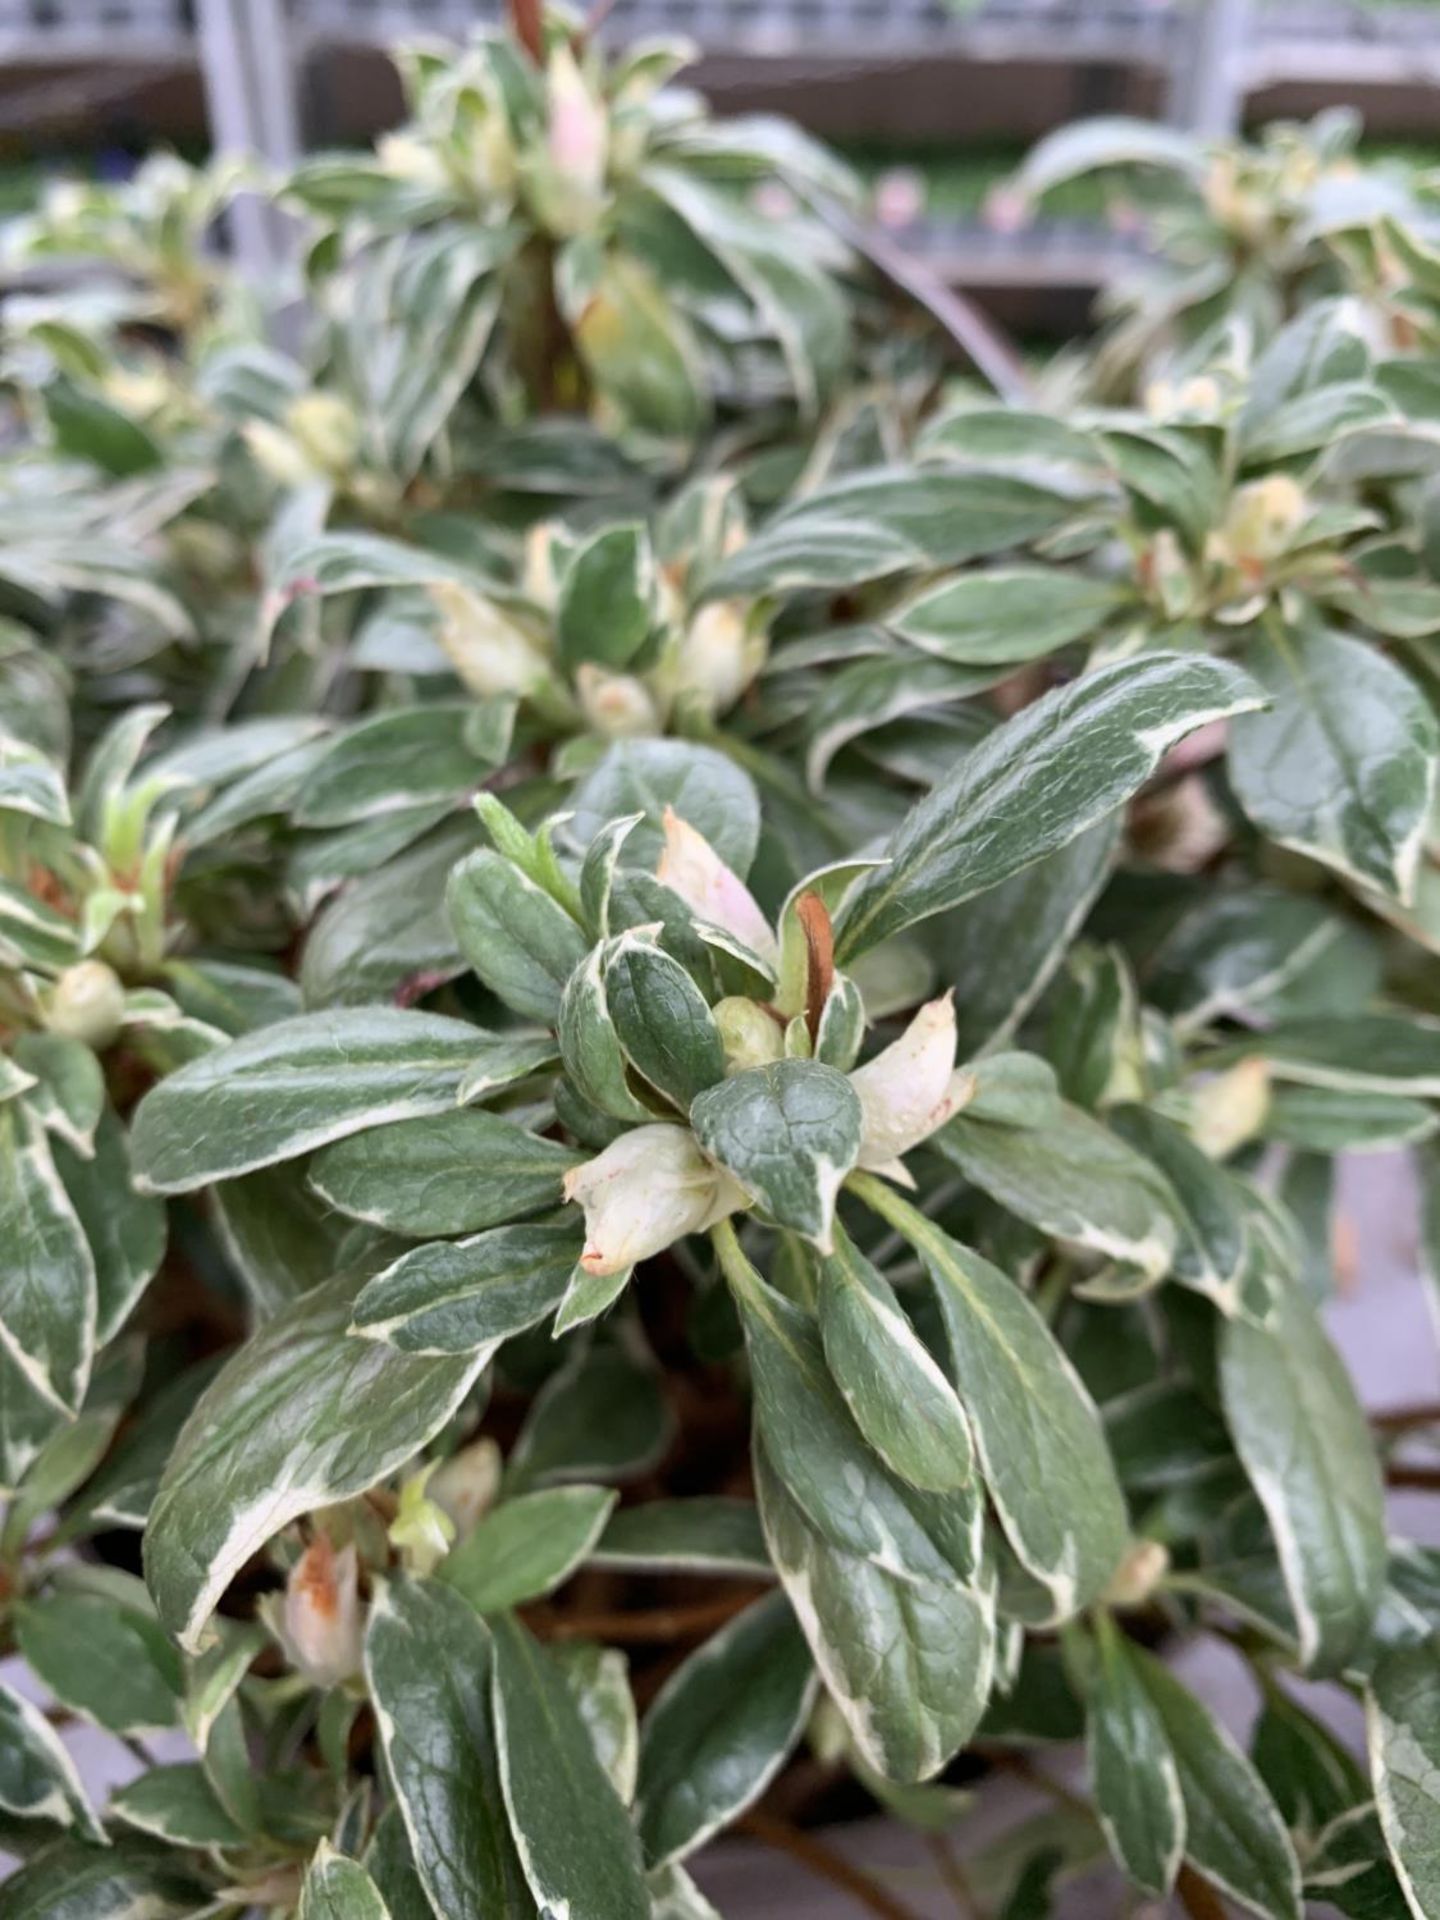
322	1626
1229	1108
721	653
327	429
1263	518
491	652
422	1531
750	1036
87	1003
1138	1574
465	1485
615	704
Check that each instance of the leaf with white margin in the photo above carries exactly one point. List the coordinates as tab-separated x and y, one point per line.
428	1661
907	1662
1041	1444
577	1847
1366	1052
1342	766
289	1088
896	1393
789	1133
1402	1713
47	1279
1037	783
38	1779
721	1728
458	1296
1234	1834
1074	1178
304	1415
1137	1787
1306	1445
335	1888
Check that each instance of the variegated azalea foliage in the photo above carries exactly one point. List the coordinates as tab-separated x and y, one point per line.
678	1002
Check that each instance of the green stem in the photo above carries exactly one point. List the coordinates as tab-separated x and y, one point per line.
743	1278
907	1220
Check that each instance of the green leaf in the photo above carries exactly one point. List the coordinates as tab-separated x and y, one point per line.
1041	1445
69	1091
299	1084
1071	1177
907	1662
126	1230
843	1489
1004	616
1364	1053
721	1728
857	699
1031	918
134	1879
391	761
607	598
282	1239
590	1046
587	1297
601	1417
1036	783
31	784
304	1415
599	1678
1342	766
520	941
1211	1250
1402	1713
645	777
391	1865
705	1534
1233	1832
1306	1446
897	1395
579	1852
789	1133
890	520
428	1661
1237	950
112	1663
338	1889
662	1021
1345	1119
38	1780
47	1282
1137	1786
446	1173
466	1296
525	1548
177	1804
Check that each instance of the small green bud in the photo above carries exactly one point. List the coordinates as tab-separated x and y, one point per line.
87	1003
749	1035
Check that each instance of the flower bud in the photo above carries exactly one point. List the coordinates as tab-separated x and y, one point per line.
1229	1108
277	453
321	1623
422	1531
490	652
87	1003
1138	1574
327	429
691	867
565	181
465	1485
615	704
911	1088
647	1190
1263	518
720	654
750	1036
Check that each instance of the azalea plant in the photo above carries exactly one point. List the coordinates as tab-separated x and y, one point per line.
678	1000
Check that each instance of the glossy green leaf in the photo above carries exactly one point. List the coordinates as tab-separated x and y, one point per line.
465	1296
1402	1712
704	787
662	1021
1036	783
445	1173
176	1803
47	1285
1137	1786
1006	615
525	1548
519	941
578	1850
721	1728
301	1083
428	1661
395	760
703	1534
338	1889
112	1663
38	1779
789	1133
896	1393
305	1414
607	598
126	1230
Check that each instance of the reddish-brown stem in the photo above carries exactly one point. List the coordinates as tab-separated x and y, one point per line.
527	23
819	957
820	1860
657	1625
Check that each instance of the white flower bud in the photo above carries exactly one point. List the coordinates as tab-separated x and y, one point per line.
1138	1574
647	1190
491	652
465	1485
719	655
615	704
1263	518
87	1003
691	867
911	1088
278	453
1229	1108
321	1622
327	429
